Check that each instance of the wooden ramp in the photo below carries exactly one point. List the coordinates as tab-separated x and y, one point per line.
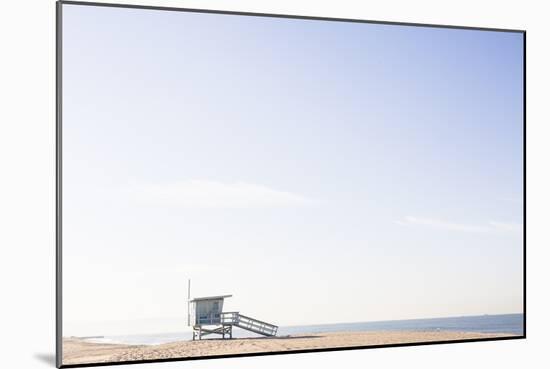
250	324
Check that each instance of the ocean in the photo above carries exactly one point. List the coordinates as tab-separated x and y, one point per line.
506	323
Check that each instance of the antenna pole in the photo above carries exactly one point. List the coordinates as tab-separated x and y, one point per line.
188	301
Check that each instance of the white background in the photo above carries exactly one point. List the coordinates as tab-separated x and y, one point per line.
27	182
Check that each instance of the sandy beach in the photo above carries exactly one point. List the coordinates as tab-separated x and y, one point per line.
79	351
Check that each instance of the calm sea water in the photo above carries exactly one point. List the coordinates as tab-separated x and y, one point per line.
508	323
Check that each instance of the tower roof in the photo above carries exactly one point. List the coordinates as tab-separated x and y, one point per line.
209	298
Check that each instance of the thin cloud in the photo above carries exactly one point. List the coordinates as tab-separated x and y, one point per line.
212	194
512	199
444	225
510	227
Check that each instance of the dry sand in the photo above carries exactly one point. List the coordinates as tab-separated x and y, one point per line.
78	351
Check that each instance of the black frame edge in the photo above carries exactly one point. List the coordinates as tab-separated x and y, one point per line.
287	16
525	184
58	194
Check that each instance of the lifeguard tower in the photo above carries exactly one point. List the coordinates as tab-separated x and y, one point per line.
206	316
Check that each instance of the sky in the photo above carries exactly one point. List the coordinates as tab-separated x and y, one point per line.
320	172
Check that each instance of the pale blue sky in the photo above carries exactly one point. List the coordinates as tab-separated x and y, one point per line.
319	171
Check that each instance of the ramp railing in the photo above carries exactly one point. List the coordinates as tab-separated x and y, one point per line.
245	322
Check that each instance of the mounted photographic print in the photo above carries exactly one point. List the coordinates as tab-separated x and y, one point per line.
234	184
